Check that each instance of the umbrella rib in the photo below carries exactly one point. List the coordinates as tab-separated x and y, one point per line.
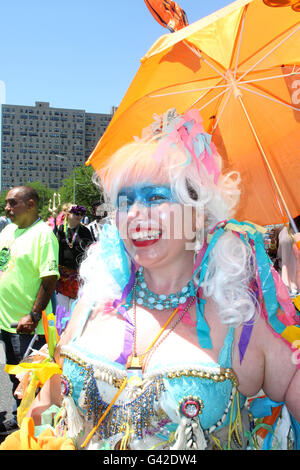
222	110
189	91
213	67
199	54
276	100
270	52
267	44
297	72
210	101
267	164
241	29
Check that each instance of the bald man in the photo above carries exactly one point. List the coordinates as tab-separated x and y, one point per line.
28	275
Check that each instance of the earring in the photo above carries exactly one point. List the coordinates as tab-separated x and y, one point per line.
199	240
199	232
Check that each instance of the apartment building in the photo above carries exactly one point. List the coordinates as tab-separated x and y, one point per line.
41	143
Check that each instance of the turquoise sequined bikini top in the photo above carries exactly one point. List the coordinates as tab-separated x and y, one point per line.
170	390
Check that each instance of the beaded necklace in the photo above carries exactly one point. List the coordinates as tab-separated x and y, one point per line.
137	362
66	230
153	301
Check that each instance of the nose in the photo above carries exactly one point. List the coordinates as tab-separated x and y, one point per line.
137	209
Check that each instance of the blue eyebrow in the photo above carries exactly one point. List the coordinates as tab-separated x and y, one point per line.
139	187
143	193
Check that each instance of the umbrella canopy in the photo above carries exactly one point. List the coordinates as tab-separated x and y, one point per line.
241	68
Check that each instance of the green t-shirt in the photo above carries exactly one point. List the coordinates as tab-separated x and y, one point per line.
32	255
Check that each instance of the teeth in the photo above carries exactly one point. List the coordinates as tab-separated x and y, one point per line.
146	235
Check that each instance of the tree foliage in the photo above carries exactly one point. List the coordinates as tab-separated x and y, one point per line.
2	202
45	194
78	188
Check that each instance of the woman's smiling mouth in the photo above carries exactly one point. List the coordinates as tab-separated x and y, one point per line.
145	237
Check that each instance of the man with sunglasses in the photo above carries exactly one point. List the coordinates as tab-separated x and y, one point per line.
28	275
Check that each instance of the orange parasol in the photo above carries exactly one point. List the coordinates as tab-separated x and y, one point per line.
241	68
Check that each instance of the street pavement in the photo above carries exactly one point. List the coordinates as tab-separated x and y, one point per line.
6	400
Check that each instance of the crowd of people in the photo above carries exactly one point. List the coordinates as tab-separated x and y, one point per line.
176	316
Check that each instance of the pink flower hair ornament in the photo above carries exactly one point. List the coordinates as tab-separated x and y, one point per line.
185	132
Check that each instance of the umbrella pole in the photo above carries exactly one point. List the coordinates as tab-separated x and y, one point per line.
293	225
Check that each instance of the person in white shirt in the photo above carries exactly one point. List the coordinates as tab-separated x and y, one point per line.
3	222
101	218
286	257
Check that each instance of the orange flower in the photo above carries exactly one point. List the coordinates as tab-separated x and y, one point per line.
24	439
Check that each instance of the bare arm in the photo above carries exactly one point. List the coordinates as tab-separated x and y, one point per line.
281	376
26	325
269	365
50	394
292	397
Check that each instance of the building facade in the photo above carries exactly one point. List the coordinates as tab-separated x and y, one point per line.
41	143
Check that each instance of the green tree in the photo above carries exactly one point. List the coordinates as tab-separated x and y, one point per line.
2	202
78	188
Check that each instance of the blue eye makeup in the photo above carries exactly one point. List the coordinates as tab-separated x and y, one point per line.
147	194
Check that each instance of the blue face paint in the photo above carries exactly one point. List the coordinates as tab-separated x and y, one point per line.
147	194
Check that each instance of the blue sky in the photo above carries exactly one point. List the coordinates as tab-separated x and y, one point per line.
78	54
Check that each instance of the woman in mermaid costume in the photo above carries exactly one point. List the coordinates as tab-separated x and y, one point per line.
181	319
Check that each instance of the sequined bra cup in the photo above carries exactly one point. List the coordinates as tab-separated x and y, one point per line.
177	406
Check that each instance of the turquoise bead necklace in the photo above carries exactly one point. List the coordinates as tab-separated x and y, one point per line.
153	301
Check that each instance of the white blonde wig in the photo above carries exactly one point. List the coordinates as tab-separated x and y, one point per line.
230	268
